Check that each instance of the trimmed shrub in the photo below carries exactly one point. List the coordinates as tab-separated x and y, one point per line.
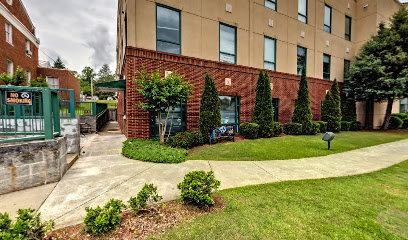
302	113
101	220
315	129
27	225
277	129
249	130
328	114
405	124
197	187
345	126
210	108
395	123
401	116
147	194
186	140
263	109
322	126
356	126
152	151
292	129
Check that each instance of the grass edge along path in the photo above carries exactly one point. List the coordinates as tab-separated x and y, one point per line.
291	147
370	206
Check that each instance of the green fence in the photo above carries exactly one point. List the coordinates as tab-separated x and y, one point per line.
67	103
89	108
28	113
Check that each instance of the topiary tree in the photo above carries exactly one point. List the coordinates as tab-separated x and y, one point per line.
210	108
329	107
302	113
348	111
263	109
335	92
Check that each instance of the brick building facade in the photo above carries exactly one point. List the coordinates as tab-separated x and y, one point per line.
19	47
137	122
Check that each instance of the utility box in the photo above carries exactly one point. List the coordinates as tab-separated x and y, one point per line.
328	137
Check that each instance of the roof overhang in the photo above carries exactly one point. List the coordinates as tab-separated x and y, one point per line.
114	86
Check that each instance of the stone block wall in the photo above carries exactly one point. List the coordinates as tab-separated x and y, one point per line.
29	164
88	121
70	129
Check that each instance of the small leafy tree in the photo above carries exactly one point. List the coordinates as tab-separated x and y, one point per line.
263	109
162	94
210	108
39	82
302	113
18	78
59	64
329	107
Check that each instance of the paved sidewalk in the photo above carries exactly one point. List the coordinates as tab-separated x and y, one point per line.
102	173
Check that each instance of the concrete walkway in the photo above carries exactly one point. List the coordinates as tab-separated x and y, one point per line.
102	173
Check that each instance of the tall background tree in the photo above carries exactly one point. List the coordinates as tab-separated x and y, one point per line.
379	73
59	64
161	95
210	108
263	109
302	113
104	75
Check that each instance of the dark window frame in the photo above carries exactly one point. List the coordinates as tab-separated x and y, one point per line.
219	42
305	60
346	69
265	61
275	105
154	128
275	2
347	36
167	41
331	17
307	12
237	111
327	75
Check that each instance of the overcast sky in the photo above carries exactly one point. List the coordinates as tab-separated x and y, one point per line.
81	32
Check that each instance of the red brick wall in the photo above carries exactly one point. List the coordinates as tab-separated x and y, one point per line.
18	10
66	79
244	80
16	52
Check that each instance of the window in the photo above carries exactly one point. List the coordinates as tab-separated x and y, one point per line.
301	59
347	35
302	11
270	54
9	33
404	105
10	67
28	76
179	121
168	32
326	67
230	109
327	18
346	69
53	82
228	44
271	4
28	45
275	104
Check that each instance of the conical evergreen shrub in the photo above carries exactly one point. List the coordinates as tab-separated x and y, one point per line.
302	113
348	111
210	108
329	107
263	109
335	92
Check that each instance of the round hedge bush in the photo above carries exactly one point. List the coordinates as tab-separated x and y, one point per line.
249	130
292	129
395	123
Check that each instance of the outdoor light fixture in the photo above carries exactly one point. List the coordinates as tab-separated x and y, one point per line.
328	137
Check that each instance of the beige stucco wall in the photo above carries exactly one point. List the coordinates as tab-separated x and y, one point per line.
200	30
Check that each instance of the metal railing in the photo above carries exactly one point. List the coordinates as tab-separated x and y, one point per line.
28	113
89	108
67	103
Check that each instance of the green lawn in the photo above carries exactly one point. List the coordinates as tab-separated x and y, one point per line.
291	147
371	206
111	103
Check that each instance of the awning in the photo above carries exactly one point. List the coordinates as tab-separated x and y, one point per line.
114	86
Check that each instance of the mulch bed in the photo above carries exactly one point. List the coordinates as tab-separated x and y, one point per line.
149	222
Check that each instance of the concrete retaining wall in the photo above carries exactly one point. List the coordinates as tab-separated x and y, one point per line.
70	129
30	164
88	121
